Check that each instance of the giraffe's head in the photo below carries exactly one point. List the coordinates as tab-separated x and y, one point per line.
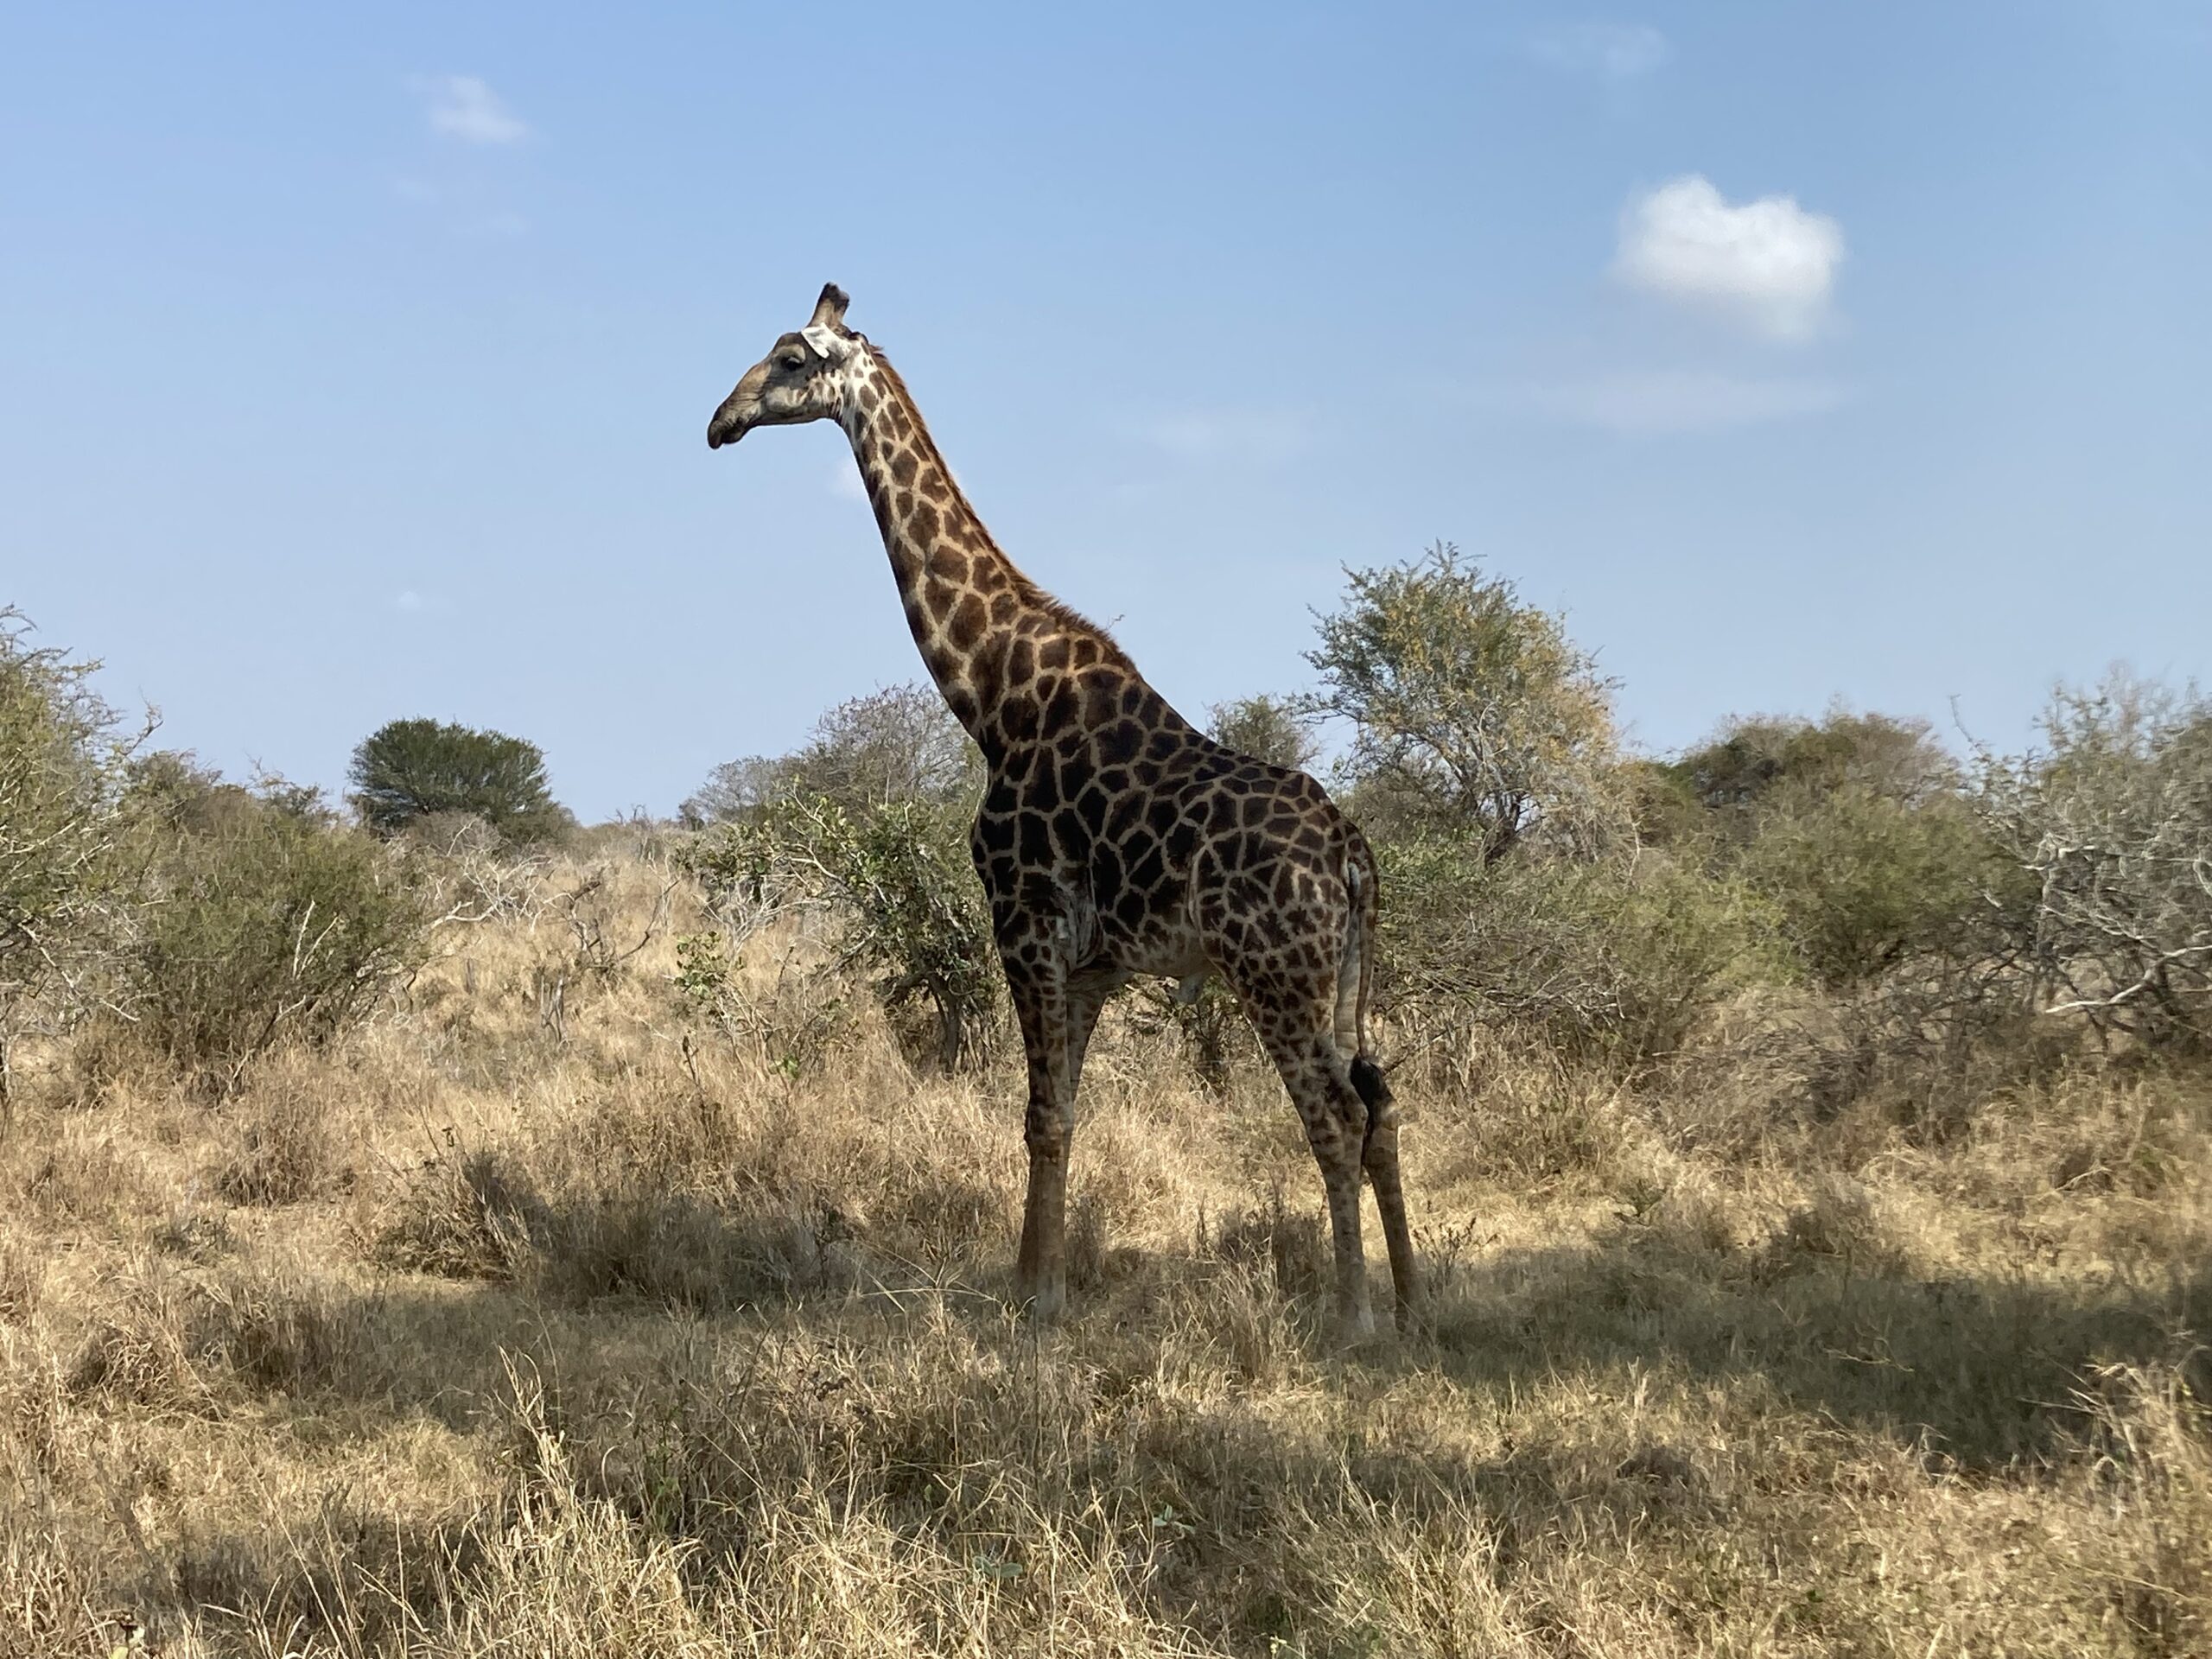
802	378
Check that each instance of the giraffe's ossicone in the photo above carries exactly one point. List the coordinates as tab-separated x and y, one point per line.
1115	838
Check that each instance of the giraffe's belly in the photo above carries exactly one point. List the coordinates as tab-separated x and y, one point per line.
1166	945
1169	962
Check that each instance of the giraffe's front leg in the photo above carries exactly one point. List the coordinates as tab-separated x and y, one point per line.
1040	1004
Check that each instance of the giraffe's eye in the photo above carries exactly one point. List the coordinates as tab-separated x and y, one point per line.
792	360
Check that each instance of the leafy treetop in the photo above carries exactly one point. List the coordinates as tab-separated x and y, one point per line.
408	769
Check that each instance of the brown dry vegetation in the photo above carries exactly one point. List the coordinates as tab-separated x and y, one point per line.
469	1335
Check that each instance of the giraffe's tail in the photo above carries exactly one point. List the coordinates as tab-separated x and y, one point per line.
1356	984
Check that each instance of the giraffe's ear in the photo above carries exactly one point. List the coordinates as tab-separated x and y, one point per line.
830	310
827	343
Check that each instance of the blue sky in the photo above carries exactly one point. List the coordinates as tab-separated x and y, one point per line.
355	363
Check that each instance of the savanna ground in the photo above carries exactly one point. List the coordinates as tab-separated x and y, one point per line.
537	1315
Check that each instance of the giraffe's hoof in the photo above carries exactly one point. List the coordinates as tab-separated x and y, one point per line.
1044	1305
1356	1331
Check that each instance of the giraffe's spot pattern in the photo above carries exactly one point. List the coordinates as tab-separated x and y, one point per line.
967	622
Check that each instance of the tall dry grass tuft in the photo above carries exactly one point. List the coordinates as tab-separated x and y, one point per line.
644	1330
288	1143
462	1215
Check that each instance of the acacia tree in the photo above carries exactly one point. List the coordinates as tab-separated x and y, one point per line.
408	769
2111	821
62	828
736	789
1267	728
900	744
1472	713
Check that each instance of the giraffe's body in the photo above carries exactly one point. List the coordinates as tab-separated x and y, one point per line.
1114	839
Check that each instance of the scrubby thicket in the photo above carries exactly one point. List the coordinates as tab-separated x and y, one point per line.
438	1243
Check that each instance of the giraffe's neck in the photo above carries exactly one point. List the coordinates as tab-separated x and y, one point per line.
984	629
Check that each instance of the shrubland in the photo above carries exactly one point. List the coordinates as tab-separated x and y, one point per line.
446	1244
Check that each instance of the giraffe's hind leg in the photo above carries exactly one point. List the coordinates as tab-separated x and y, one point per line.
1381	1162
1336	1129
1379	1155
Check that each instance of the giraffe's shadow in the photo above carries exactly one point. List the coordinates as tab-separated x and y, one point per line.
1980	1372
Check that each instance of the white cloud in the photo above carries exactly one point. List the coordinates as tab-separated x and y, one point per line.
1654	401
1262	435
1767	264
1612	52
463	107
409	599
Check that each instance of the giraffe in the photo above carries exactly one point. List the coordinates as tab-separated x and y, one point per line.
1114	838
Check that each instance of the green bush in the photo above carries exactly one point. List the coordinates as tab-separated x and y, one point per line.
1750	760
408	770
1863	884
900	881
1882	880
1617	957
267	923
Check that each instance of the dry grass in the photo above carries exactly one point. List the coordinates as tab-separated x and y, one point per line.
483	1336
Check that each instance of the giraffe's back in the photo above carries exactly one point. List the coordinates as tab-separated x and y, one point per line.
1166	851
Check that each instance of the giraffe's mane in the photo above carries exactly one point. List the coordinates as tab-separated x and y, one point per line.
1069	620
